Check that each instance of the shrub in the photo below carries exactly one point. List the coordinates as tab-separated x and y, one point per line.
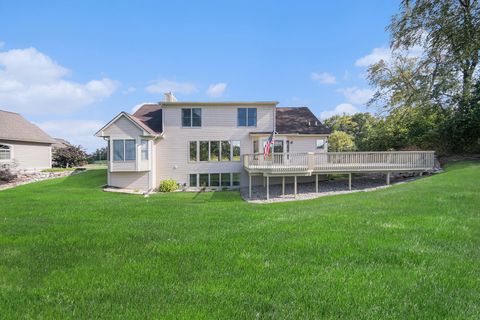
69	156
168	185
6	175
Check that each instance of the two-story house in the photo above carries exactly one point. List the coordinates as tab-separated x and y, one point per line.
202	144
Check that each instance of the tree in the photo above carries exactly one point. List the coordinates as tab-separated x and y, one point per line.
426	87
357	125
340	141
99	154
448	33
70	156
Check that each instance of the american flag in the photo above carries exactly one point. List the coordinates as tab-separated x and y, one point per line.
267	147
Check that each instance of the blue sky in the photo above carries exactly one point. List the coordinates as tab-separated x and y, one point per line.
71	66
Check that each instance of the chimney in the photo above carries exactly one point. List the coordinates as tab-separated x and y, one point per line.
169	97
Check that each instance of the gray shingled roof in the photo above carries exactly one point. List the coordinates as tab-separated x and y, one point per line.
15	127
298	121
150	115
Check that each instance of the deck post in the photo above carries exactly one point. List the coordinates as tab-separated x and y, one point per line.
249	186
283	185
350	181
268	187
263	179
316	183
295	187
388	178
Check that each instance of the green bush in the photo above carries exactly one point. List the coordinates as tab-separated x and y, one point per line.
168	185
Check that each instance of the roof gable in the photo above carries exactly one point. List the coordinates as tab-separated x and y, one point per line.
135	121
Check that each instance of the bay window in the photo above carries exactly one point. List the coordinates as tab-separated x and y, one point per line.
124	150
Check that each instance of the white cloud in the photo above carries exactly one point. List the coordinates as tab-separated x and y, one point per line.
385	54
2	44
77	132
323	77
375	56
356	95
344	108
32	83
216	90
163	86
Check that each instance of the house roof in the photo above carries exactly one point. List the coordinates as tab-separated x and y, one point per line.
150	115
298	121
60	143
15	127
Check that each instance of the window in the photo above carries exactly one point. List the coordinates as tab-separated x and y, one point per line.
278	146
129	150
214	180
203	150
193	151
203	180
5	152
192	117
247	117
193	180
236	179
144	150
225	178
255	146
226	150
236	150
320	143
124	150
214	151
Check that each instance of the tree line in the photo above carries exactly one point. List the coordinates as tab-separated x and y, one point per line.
427	94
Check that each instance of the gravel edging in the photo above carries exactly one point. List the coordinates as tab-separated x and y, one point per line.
26	178
306	191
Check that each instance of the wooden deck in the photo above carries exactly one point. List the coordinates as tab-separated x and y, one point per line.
308	164
338	162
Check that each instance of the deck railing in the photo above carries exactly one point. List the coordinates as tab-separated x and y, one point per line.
298	163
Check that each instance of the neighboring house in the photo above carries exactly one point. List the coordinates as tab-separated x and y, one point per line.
60	144
201	144
23	145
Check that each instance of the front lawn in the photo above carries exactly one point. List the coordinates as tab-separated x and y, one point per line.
69	250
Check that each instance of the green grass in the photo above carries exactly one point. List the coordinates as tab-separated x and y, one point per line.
69	250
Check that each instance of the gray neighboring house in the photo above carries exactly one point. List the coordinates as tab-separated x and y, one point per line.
23	145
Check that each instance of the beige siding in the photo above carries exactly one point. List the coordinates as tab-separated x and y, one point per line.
304	144
129	180
122	128
30	155
123	166
218	123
